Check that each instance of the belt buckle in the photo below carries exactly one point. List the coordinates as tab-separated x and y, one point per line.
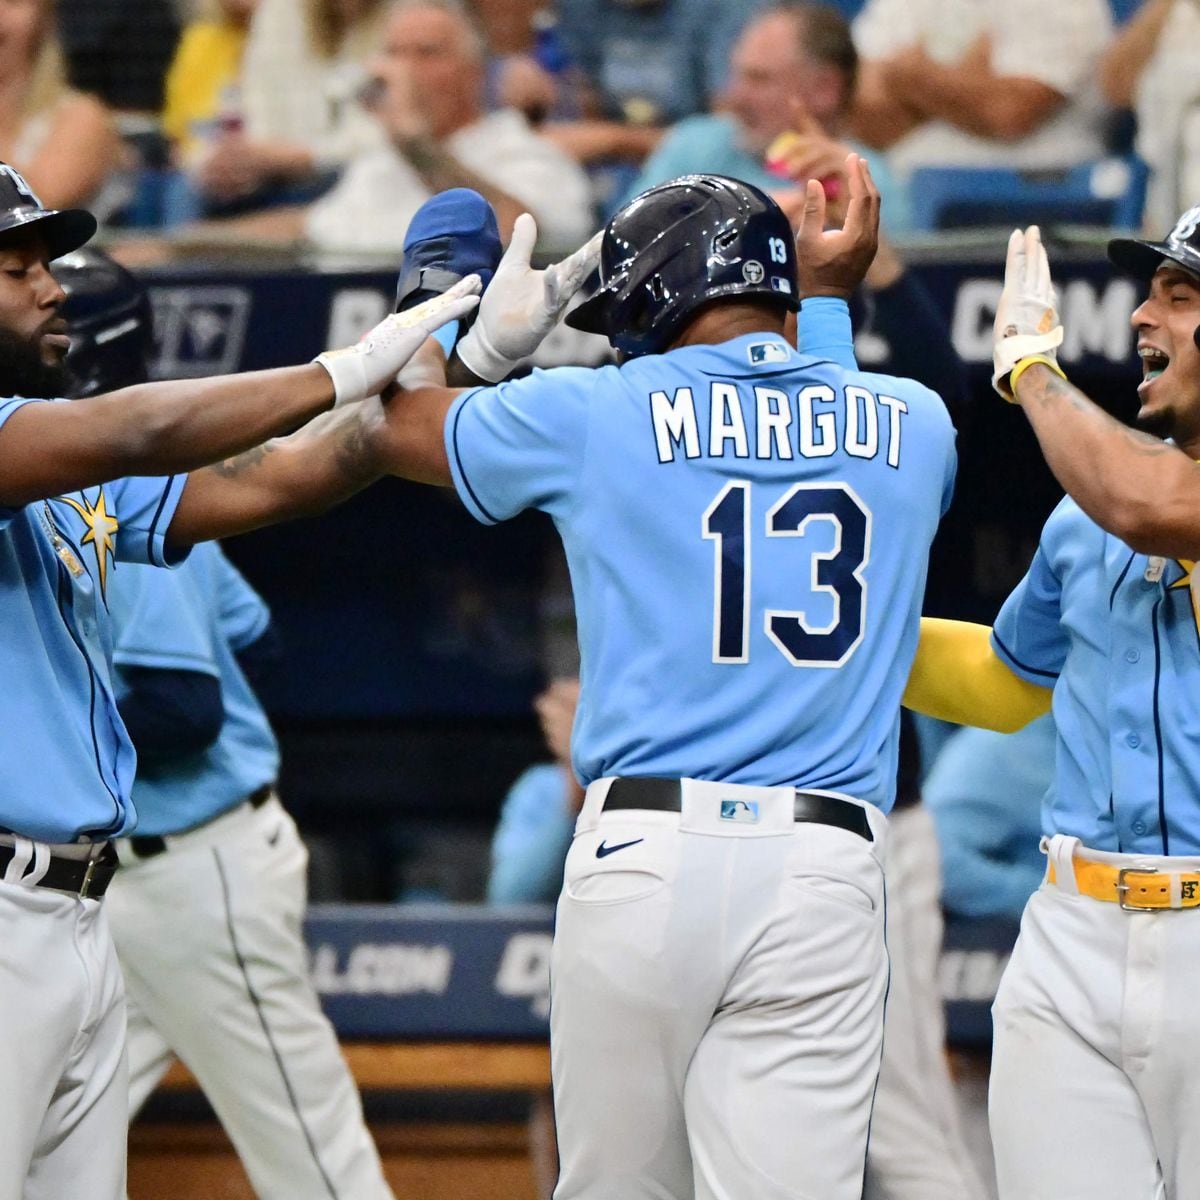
86	884
1123	889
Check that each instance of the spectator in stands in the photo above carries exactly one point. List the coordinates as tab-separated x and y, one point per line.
205	75
795	52
985	793
1151	68
537	818
63	141
637	66
962	83
430	103
295	118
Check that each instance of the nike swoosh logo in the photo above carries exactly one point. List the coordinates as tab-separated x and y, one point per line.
273	838
603	851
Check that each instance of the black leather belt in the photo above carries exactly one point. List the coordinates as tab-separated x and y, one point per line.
151	844
88	877
665	795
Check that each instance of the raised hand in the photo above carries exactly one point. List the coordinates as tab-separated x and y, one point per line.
371	365
1027	324
522	304
833	262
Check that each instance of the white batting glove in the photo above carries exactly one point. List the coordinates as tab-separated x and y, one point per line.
367	368
522	305
1027	324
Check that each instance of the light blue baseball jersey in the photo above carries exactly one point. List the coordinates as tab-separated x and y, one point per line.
68	762
196	619
1122	652
747	532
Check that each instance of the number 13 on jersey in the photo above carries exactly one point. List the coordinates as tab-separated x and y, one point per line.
837	572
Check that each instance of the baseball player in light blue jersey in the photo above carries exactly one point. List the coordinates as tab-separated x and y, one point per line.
74	506
746	528
1094	1086
216	855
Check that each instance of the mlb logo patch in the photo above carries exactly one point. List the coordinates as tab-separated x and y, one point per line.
767	352
745	811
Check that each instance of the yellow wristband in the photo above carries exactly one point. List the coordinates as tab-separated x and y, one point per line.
1026	363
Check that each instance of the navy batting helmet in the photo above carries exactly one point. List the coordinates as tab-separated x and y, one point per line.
109	322
64	230
681	245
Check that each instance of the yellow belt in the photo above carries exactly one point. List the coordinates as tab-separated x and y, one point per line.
1137	889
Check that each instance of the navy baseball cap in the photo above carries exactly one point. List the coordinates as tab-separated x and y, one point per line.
64	229
1141	259
452	235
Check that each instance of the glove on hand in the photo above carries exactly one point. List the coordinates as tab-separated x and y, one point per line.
1027	324
522	305
367	368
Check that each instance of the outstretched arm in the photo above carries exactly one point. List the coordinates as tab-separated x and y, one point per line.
170	428
956	676
151	429
326	462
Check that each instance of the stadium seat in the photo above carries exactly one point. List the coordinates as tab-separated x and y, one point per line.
1108	191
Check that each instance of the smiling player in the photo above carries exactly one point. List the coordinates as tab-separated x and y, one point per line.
1096	1032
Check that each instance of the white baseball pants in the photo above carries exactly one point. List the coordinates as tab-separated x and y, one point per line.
209	935
62	1045
717	996
917	1151
1094	1089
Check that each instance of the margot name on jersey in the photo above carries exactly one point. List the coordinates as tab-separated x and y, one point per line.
815	423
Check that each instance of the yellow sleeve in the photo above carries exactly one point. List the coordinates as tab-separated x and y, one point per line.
957	676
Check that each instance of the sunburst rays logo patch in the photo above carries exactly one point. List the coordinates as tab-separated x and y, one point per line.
101	526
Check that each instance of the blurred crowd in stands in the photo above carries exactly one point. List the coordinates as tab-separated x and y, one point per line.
325	123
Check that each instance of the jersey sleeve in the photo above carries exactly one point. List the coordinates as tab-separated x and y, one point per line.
144	507
823	330
520	445
7	408
160	621
244	615
1028	635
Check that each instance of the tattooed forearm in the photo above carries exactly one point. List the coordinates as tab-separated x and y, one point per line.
353	453
230	468
1144	490
1049	390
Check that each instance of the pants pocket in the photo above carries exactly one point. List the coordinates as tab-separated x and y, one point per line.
836	889
615	885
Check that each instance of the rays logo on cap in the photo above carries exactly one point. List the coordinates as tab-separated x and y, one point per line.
18	181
